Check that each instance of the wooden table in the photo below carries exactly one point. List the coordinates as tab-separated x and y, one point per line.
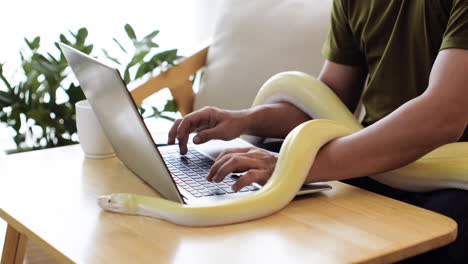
49	197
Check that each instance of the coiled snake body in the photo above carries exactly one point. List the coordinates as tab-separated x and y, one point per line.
445	167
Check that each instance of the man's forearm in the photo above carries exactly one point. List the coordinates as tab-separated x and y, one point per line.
410	132
277	120
273	120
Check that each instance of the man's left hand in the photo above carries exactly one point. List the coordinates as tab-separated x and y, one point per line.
258	164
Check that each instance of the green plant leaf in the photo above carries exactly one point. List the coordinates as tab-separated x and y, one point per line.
142	70
138	58
6	99
62	60
74	93
33	45
130	32
71	33
15	119
88	49
170	106
3	117
167	118
4	80
169	56
81	36
28	43
120	45
41	116
153	45
19	138
141	109
42	64
65	142
155	111
127	76
36	42
63	110
151	35
53	58
107	55
63	39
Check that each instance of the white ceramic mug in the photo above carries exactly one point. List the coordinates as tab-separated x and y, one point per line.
92	139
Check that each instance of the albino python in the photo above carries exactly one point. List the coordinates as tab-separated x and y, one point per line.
445	167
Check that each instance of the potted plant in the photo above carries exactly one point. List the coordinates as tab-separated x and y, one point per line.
40	108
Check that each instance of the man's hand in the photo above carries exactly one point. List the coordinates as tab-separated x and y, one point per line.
209	123
258	163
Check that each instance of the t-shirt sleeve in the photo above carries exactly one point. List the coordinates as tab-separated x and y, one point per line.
456	33
340	45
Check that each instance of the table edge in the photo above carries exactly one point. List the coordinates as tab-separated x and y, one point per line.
59	256
418	248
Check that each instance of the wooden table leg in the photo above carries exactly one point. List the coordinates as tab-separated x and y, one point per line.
14	247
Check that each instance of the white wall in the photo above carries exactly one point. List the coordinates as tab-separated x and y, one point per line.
182	23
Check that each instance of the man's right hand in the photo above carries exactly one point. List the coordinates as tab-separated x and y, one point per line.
209	123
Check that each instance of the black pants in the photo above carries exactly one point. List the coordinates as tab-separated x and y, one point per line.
450	202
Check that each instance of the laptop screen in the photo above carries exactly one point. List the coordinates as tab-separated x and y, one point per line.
121	121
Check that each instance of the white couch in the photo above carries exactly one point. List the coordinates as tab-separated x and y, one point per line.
254	40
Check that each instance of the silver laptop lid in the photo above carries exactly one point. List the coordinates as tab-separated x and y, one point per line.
121	121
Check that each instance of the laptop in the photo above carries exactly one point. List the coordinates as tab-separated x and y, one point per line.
178	178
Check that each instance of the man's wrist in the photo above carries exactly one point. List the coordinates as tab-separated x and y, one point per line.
247	120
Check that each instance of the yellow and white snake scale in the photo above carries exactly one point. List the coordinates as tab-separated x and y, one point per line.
445	167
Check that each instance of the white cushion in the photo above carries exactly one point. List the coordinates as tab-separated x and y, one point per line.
254	40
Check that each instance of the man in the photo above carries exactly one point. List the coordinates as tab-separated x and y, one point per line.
411	57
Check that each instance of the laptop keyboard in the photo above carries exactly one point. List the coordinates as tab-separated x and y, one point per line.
190	171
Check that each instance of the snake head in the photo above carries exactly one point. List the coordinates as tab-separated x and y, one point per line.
119	202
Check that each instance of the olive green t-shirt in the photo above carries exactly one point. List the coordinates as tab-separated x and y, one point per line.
398	41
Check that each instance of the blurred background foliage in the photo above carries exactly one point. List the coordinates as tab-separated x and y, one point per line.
40	107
